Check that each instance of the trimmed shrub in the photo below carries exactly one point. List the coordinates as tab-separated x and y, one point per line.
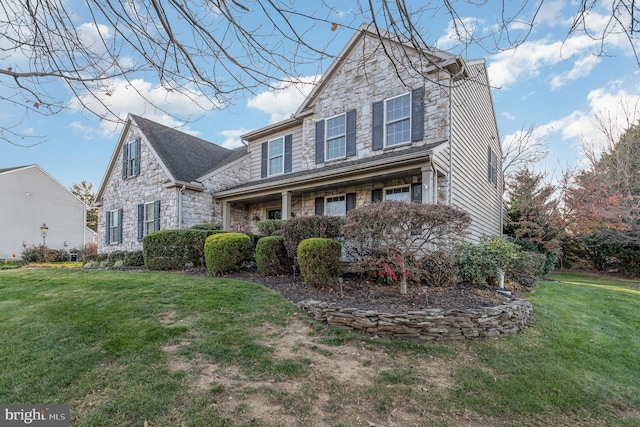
208	226
480	264
319	260
227	251
271	256
175	249
270	226
295	230
38	254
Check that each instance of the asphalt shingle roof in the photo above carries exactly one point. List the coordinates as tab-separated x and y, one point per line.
187	157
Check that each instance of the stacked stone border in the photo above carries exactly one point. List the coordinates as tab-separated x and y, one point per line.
429	324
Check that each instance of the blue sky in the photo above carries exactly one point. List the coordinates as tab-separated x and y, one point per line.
554	83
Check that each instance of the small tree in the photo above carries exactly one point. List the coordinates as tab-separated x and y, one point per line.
401	233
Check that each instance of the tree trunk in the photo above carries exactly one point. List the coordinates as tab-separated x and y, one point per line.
403	278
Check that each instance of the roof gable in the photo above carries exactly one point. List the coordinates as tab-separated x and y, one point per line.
186	157
438	59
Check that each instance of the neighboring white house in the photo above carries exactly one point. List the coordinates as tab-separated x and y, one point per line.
29	198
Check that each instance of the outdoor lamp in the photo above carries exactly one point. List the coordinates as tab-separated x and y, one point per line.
43	232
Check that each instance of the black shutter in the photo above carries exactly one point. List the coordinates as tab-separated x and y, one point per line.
416	193
264	159
376	195
156	217
107	236
351	201
140	222
288	147
351	133
320	141
319	206
125	159
377	136
417	114
120	226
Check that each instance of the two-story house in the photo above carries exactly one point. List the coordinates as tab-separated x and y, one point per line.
372	131
369	131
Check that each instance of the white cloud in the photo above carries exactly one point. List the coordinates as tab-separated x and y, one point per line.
550	12
232	137
143	98
459	32
581	68
285	100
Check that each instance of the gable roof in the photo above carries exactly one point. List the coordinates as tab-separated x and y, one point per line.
3	170
441	60
186	157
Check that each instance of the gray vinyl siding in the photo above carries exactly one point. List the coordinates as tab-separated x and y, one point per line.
474	130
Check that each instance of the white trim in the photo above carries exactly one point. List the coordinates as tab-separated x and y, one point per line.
407	186
326	138
344	197
386	122
269	173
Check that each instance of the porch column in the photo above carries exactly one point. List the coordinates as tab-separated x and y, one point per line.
286	205
226	216
427	184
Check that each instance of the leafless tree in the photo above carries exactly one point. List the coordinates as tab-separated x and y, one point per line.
213	51
522	151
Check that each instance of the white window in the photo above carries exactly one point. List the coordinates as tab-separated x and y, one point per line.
336	137
149	218
115	222
398	193
335	206
276	156
397	119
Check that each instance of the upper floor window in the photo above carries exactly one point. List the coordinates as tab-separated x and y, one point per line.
336	134
493	168
113	227
336	137
276	156
398	193
148	218
398	119
131	159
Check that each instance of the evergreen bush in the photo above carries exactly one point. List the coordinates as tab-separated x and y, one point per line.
271	256
227	251
295	230
270	226
319	260
175	249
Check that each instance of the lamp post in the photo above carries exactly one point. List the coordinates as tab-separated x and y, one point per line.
43	232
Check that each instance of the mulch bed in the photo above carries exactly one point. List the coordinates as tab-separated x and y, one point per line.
358	293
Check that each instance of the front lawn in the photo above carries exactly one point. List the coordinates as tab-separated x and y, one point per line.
167	349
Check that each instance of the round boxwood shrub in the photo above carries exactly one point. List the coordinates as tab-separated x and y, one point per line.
295	230
271	257
227	251
319	260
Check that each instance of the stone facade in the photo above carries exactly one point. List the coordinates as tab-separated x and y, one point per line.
429	324
179	208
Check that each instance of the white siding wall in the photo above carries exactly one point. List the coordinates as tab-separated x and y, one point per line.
474	130
28	198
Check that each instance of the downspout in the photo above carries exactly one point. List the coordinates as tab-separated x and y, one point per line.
180	206
449	189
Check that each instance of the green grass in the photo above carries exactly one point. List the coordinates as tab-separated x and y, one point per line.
94	340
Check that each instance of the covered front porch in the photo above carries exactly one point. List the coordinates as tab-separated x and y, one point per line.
334	190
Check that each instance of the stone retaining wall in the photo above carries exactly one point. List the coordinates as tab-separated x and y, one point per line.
428	324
